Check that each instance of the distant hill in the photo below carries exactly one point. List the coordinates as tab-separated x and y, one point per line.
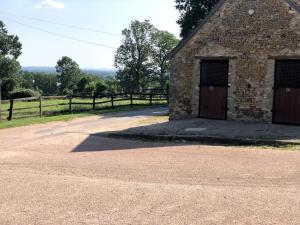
101	72
98	72
37	69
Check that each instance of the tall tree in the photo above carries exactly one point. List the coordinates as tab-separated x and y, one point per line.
68	74
163	43
45	83
86	86
111	85
9	44
192	12
10	50
132	58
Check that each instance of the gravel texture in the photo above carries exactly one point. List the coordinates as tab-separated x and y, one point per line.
60	173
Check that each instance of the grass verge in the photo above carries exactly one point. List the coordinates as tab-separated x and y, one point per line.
64	117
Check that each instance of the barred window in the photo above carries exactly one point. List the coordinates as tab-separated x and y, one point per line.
287	73
214	73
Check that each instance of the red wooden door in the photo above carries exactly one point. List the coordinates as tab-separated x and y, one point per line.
287	106
213	89
287	92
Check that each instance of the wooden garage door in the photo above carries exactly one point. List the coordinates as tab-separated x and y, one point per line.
213	89
287	92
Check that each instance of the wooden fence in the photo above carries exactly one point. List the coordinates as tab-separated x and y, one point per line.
45	106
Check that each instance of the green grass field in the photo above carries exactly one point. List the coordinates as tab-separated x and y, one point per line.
58	110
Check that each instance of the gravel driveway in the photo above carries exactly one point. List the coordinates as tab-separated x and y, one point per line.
59	173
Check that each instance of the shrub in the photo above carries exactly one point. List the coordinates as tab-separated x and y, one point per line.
68	92
23	93
101	88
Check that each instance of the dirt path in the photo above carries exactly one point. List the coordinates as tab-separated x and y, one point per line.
60	173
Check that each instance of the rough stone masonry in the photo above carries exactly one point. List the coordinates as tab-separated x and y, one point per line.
252	34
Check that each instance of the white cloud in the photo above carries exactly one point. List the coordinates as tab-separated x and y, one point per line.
50	4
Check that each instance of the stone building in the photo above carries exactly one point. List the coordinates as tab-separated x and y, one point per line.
241	63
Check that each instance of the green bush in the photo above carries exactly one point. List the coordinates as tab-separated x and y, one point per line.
101	88
23	93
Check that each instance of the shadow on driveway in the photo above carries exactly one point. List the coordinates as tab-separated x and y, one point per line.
102	142
96	143
197	131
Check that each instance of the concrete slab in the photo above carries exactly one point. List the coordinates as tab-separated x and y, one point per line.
217	131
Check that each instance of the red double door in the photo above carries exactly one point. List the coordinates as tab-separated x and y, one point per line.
213	89
287	92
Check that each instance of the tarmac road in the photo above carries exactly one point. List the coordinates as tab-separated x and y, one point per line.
60	173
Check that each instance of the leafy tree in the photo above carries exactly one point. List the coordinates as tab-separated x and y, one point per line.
82	85
163	43
192	12
133	57
91	88
9	85
68	74
9	44
112	85
90	85
43	82
141	59
101	88
27	80
10	50
10	70
86	86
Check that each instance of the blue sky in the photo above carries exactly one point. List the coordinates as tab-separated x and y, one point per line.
44	49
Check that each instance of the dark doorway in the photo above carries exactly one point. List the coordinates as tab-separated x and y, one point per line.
287	92
213	89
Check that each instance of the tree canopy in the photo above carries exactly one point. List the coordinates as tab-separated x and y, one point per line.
44	83
163	43
68	74
90	85
141	58
133	56
192	12
9	44
10	50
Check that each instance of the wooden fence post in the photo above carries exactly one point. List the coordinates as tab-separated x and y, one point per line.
70	105
150	99
41	109
94	102
112	100
11	108
131	100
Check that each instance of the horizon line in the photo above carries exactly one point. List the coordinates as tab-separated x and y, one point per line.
95	68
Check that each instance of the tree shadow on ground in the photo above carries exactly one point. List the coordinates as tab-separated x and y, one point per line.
97	143
125	140
103	142
218	129
196	131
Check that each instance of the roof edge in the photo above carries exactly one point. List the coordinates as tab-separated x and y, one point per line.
294	5
214	10
192	33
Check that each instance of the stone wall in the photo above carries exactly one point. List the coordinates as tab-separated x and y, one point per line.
252	43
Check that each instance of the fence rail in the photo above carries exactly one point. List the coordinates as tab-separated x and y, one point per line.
50	105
